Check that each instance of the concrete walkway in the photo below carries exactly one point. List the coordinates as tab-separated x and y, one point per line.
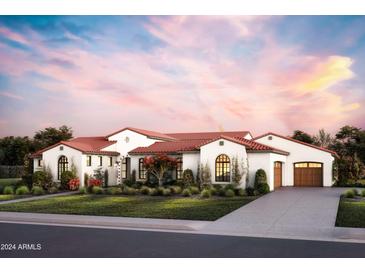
298	213
40	197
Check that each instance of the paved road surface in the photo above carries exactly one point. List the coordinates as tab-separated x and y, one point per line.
59	241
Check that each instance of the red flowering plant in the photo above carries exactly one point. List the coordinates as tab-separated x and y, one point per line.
158	164
94	182
73	184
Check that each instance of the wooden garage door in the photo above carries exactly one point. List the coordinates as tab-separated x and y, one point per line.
278	174
308	174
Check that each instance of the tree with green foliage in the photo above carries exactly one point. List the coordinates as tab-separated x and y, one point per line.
238	170
50	135
13	150
323	139
302	136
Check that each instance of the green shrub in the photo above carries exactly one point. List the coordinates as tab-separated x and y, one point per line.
356	192
263	188
23	190
66	176
206	193
363	193
241	192
53	190
186	192
160	190
129	191
153	192
188	178
229	186
112	190
8	190
213	191
82	190
194	190
221	192
260	178
250	191
229	193
349	193
97	190
175	189
166	192
145	190
37	190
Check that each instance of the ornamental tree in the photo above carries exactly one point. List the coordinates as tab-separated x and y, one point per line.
158	165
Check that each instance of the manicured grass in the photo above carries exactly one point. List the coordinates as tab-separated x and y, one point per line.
9	181
351	213
4	197
134	206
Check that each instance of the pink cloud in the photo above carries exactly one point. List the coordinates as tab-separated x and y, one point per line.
192	83
11	95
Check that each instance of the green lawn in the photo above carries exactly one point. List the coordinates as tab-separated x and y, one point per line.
351	213
4	197
9	181
134	206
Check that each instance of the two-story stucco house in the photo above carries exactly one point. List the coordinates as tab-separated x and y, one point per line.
287	162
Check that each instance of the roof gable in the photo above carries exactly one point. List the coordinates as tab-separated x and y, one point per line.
147	133
296	141
91	145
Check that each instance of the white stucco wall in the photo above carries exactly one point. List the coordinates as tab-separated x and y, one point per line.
51	156
210	152
135	140
264	161
300	153
191	161
95	164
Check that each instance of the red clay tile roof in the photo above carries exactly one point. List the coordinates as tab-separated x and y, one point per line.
148	133
87	145
207	135
194	145
296	141
169	147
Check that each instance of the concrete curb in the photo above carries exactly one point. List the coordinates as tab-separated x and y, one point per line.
102	221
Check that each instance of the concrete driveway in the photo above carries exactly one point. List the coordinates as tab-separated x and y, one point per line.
304	213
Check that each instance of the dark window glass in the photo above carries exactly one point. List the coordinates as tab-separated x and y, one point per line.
142	172
62	166
179	168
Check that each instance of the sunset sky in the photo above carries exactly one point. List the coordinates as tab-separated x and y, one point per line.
174	74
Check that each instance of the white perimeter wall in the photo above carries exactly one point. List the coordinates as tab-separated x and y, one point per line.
210	152
264	161
300	153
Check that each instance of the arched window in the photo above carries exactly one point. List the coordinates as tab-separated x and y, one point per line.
62	166
179	168
222	169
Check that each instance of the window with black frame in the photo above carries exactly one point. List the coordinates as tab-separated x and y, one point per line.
222	169
62	166
179	168
142	171
123	170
